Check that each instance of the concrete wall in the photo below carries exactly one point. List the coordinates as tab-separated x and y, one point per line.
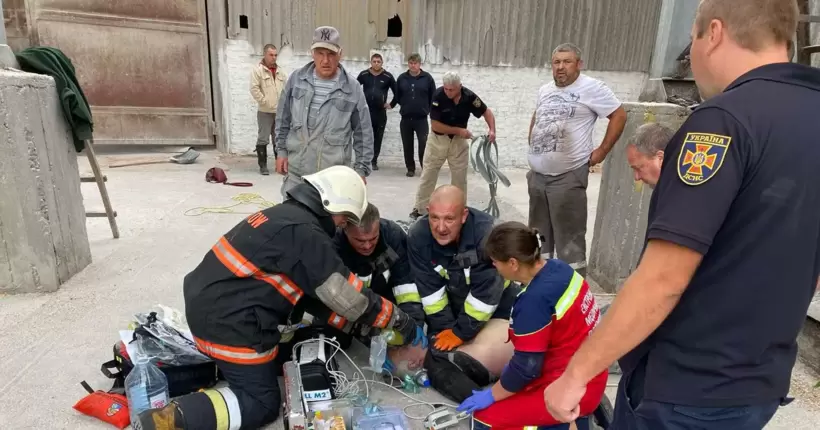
509	91
620	222
42	218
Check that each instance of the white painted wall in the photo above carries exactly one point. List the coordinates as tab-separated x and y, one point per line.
509	92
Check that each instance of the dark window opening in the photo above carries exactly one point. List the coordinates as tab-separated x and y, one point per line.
394	27
243	21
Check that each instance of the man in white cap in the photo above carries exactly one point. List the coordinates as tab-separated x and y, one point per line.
322	117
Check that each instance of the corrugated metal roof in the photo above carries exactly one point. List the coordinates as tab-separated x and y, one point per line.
614	34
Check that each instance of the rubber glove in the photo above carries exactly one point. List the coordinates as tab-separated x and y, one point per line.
478	401
447	340
420	337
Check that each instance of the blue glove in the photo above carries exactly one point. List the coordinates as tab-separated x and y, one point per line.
420	337
478	401
389	366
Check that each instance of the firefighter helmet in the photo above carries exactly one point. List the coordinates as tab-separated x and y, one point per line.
342	191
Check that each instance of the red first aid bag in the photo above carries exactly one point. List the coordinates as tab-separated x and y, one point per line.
108	407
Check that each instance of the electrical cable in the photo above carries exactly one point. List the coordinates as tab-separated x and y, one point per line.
240	199
347	388
483	162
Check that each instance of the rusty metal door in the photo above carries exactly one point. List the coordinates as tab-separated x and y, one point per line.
143	65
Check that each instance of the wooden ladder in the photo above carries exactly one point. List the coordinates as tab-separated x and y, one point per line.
100	179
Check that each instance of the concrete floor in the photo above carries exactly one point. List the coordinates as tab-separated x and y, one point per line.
51	342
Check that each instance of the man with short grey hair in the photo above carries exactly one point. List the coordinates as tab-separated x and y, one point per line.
561	152
449	113
323	118
645	149
267	83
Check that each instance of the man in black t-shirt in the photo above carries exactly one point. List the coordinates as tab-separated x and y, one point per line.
706	326
449	113
375	82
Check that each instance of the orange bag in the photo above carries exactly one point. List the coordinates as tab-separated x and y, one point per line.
108	407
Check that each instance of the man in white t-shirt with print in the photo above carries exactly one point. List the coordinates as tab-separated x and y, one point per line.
561	152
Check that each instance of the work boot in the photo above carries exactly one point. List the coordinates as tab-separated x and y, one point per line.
262	158
167	418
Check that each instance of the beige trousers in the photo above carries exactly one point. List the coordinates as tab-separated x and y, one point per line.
456	152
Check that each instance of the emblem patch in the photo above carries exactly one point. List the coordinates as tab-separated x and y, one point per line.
477	102
701	156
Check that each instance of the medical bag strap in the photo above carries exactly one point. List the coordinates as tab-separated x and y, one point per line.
239	184
111	365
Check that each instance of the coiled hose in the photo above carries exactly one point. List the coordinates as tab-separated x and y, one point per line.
483	162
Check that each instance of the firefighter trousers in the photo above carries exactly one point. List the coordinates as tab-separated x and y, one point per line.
250	401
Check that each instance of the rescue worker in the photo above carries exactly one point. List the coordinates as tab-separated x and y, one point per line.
459	289
706	325
450	111
248	284
322	119
551	317
375	250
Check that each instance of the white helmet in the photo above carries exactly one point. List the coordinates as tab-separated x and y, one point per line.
342	191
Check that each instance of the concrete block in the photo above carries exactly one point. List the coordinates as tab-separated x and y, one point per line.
620	222
42	217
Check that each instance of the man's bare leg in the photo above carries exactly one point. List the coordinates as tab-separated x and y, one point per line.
490	346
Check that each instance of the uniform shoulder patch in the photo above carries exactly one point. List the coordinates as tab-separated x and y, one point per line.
701	156
477	102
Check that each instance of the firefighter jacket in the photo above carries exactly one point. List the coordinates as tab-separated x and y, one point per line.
459	287
251	279
387	270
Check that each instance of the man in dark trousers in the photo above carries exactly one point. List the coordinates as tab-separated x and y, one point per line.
375	83
706	326
415	94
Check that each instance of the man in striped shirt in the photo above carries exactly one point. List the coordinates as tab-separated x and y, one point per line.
322	118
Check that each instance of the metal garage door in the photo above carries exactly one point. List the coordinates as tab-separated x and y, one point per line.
143	65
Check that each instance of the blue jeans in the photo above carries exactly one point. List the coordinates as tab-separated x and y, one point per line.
632	412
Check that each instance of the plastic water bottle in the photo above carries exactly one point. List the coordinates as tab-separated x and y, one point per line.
146	387
378	352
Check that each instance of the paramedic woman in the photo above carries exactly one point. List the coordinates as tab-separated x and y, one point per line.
551	317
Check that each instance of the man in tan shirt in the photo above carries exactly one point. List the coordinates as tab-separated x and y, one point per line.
267	83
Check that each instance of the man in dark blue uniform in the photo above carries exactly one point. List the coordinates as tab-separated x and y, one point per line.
375	82
375	250
707	323
460	292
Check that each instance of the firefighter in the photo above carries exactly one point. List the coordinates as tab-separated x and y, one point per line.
248	284
551	317
459	289
376	251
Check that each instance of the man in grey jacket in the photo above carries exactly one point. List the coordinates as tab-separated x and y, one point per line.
322	117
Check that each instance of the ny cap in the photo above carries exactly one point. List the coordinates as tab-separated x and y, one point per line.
326	37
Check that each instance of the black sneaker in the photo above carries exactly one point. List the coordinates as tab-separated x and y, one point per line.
375	166
415	214
410	173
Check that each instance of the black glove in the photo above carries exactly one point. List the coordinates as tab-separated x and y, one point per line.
405	325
